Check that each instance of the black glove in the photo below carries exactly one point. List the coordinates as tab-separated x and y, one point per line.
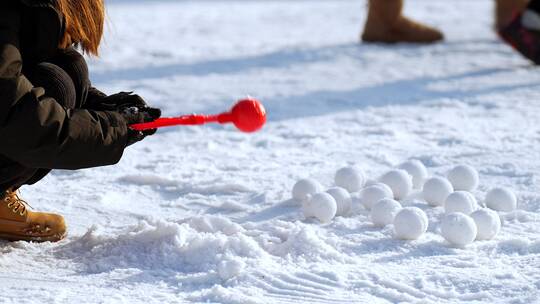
135	115
131	106
114	102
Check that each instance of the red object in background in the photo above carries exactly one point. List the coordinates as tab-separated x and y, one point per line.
248	115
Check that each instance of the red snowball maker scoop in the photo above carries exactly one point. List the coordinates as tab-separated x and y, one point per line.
248	115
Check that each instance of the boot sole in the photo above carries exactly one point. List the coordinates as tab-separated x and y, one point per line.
40	239
17	237
389	39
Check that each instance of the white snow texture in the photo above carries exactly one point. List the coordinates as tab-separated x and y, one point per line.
204	214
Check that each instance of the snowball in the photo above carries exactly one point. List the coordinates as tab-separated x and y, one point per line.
370	182
343	200
458	229
385	188
350	178
305	188
460	201
417	170
463	177
410	223
501	199
384	212
436	190
399	181
487	222
369	196
321	206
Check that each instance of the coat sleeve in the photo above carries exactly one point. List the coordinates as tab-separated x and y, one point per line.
38	132
94	98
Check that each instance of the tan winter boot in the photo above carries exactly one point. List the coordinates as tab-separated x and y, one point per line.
505	10
385	23
17	223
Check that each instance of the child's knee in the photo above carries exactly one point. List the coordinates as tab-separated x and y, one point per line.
75	66
73	63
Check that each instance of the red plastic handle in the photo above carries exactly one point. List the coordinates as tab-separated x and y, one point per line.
171	121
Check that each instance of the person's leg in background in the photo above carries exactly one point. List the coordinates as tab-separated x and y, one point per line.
506	10
523	32
385	23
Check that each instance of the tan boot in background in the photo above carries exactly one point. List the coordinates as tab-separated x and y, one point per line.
17	223
385	23
505	10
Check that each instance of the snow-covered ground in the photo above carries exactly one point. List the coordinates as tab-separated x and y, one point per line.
203	214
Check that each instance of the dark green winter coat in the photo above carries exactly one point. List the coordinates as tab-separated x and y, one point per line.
35	131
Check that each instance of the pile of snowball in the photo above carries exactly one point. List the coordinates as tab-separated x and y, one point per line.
463	221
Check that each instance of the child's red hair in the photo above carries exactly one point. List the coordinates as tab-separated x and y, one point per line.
84	22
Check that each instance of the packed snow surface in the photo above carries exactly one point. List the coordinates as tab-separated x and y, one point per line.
204	214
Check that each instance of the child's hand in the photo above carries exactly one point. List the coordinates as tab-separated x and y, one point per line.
134	115
117	102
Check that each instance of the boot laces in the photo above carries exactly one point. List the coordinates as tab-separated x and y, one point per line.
15	203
